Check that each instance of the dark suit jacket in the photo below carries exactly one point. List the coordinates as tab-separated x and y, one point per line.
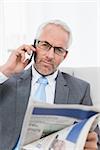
14	96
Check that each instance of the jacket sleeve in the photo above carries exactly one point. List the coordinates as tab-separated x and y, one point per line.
87	98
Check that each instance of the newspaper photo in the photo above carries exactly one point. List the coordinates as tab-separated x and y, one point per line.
48	126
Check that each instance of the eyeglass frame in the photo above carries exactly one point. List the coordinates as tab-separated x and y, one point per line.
64	51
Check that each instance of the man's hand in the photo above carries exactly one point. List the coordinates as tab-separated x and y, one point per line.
16	62
91	142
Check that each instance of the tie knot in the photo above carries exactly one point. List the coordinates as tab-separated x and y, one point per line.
43	80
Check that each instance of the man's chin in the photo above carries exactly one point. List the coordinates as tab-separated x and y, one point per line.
45	71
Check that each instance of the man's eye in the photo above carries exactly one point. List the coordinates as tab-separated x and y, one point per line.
58	50
44	44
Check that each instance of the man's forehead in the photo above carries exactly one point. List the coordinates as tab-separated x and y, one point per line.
55	31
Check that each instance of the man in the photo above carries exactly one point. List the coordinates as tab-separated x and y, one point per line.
17	85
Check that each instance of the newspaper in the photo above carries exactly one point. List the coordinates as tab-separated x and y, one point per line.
48	126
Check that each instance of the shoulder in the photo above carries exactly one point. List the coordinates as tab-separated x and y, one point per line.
74	81
73	78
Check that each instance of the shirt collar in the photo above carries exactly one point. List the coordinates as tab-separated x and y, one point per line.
51	78
35	75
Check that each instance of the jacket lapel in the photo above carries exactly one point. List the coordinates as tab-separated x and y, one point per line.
61	90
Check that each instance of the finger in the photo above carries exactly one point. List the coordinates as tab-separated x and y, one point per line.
20	52
91	145
92	136
23	51
91	142
25	63
90	148
27	48
20	55
27	57
32	47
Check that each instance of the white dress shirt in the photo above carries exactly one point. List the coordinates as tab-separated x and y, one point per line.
3	78
50	88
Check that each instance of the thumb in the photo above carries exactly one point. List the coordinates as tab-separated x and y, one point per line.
26	63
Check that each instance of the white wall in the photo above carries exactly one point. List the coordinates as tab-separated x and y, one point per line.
20	19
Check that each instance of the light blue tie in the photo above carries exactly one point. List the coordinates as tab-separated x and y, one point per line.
40	94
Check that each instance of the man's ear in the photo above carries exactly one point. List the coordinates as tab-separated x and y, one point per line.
66	54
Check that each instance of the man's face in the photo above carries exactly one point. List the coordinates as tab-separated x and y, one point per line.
47	61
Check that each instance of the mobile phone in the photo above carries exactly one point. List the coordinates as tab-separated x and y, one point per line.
33	53
29	57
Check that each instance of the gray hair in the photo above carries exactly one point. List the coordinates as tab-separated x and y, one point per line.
60	23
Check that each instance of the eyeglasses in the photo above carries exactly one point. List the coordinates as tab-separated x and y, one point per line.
44	45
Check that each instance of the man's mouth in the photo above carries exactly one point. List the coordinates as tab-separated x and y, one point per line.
47	63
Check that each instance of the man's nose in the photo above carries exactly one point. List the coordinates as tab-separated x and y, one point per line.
51	53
